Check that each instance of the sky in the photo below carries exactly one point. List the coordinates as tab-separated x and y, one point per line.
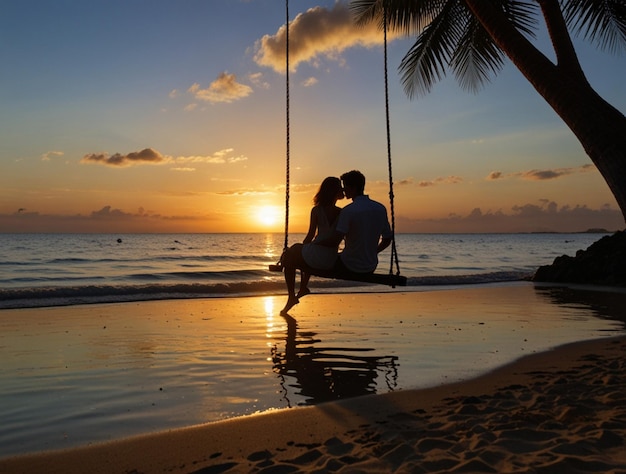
170	116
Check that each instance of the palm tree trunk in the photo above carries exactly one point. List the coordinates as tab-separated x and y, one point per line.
600	127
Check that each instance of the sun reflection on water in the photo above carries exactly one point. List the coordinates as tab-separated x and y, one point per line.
268	304
270	249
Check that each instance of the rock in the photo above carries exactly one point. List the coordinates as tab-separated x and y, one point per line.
603	263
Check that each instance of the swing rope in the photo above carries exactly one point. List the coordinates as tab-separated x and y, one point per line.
394	251
287	138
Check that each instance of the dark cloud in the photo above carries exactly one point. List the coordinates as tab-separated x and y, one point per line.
541	175
107	219
109	213
533	210
547	216
145	156
152	157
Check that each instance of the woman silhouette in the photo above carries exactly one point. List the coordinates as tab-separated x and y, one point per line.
322	222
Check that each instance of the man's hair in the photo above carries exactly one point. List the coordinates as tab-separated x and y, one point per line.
354	179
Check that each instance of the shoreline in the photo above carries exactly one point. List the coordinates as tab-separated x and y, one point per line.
562	410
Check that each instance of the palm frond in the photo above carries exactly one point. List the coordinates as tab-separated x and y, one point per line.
602	22
523	15
364	11
477	58
406	16
427	60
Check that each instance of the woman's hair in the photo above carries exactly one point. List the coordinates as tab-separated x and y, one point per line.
327	194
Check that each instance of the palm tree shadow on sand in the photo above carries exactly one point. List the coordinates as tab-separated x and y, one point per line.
319	374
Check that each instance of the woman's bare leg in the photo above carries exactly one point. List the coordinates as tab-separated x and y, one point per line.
304	284
291	261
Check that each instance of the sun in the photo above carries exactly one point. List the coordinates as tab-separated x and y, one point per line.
267	215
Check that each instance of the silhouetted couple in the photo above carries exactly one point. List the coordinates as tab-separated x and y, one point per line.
362	225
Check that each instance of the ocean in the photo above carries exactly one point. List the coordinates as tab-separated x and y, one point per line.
91	353
63	269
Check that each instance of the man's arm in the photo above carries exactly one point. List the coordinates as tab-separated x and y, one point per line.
383	244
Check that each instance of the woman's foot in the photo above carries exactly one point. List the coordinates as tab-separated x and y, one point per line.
291	302
303	292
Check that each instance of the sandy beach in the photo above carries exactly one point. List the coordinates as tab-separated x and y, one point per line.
559	410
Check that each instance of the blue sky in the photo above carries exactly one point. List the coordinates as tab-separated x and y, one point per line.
169	116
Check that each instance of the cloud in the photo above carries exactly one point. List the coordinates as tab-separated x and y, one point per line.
245	192
173	93
145	156
219	157
441	180
547	216
311	81
494	175
224	89
295	188
108	213
153	157
541	175
258	80
210	159
47	156
107	219
317	33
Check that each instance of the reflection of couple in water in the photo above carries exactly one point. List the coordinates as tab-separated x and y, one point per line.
329	373
362	225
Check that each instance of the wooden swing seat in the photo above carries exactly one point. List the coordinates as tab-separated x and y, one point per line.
388	279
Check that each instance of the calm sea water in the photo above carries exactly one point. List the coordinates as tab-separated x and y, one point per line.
61	269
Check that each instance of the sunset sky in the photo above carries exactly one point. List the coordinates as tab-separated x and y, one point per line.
169	116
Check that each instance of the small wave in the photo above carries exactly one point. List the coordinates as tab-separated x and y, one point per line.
492	277
39	297
46	280
231	275
70	260
87	294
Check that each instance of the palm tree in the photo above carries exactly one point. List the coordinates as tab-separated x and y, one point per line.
472	38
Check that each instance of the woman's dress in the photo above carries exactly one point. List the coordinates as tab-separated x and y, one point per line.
320	256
